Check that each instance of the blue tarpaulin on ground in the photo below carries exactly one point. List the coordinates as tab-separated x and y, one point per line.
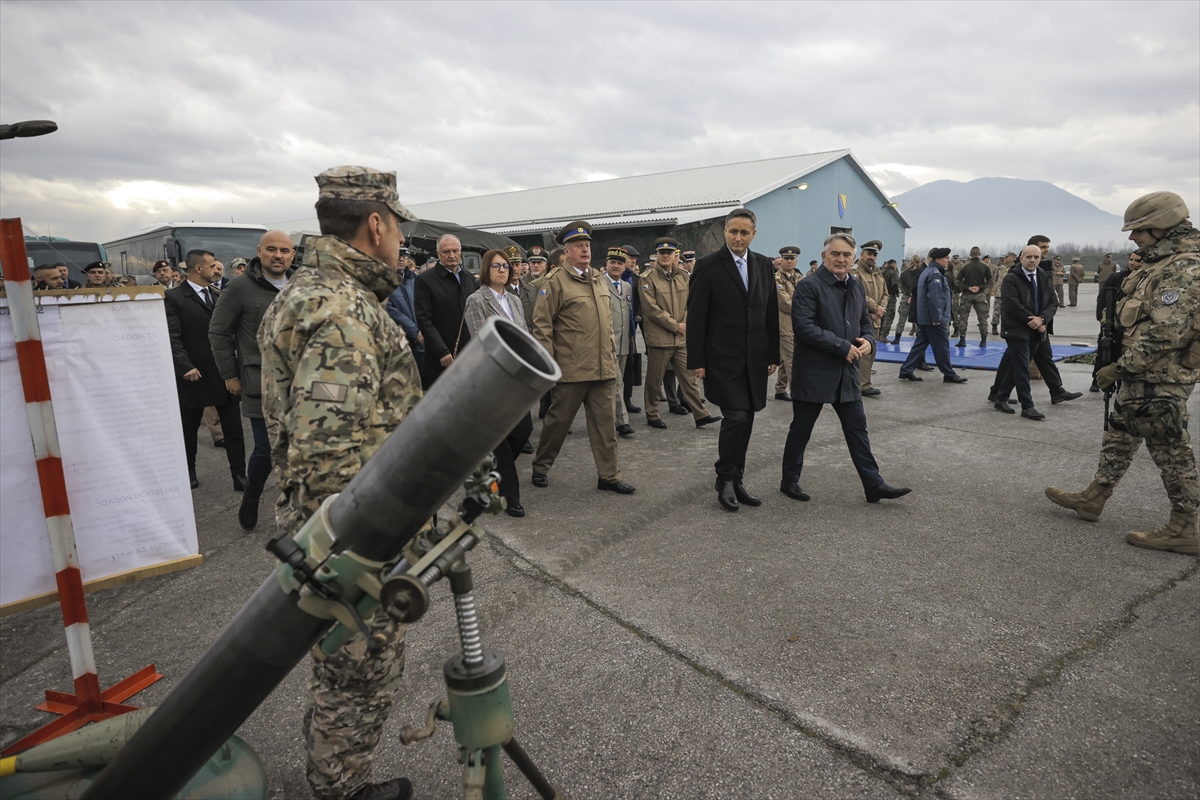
972	356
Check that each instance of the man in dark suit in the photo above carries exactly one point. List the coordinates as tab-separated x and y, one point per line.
733	345
1027	310
440	295
189	310
833	330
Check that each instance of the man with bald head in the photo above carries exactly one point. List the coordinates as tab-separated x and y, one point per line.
1028	308
233	332
440	295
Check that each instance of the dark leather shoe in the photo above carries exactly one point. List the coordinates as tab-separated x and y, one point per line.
910	377
885	492
1064	397
709	420
219	443
783	396
1032	413
656	423
248	512
726	495
743	495
953	379
239	483
681	410
625	430
1095	387
872	392
193	480
620	487
515	510
792	489
924	367
633	409
540	480
395	789
1005	407
528	448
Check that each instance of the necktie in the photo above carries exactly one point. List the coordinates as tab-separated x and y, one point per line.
741	265
1036	299
206	297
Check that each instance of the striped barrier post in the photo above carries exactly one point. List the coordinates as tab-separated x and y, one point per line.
88	703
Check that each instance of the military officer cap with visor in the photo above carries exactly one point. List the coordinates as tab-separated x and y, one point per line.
666	243
364	184
617	254
536	253
577	231
688	255
632	251
874	244
514	254
790	251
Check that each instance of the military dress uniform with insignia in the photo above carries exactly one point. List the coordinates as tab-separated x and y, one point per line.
573	321
620	295
785	287
338	377
1074	278
876	295
1158	366
528	289
664	297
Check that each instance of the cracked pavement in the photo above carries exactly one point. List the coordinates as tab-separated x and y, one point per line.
971	640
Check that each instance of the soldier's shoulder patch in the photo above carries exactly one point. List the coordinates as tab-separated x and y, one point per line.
1169	297
543	291
329	392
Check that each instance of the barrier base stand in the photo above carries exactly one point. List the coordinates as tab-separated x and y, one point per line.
88	704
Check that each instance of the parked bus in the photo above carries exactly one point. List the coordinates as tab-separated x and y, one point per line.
136	254
55	249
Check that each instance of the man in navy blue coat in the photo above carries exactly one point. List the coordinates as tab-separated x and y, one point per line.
833	330
934	311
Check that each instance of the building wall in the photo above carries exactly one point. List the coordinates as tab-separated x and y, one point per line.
804	218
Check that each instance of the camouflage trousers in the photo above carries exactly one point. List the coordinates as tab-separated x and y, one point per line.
996	310
969	302
1172	454
901	314
350	695
889	315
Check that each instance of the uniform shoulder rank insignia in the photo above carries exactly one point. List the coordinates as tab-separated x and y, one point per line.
1169	297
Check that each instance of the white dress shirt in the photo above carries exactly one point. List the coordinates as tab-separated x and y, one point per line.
204	293
502	298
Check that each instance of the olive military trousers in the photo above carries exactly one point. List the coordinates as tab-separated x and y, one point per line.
597	399
657	360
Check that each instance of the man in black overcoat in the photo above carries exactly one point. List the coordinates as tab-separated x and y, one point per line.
189	309
440	293
733	344
833	330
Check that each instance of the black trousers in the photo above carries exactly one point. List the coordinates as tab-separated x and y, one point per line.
231	425
1043	356
629	378
506	459
1017	374
854	428
736	426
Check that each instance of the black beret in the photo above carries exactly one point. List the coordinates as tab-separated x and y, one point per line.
939	252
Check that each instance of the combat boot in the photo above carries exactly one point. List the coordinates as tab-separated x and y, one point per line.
1088	504
1178	535
962	341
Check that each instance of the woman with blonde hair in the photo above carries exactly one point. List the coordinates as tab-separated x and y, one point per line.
493	300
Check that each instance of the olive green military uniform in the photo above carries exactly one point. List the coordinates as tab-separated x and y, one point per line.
1105	269
664	306
1059	273
785	287
573	321
891	278
877	295
1074	278
338	377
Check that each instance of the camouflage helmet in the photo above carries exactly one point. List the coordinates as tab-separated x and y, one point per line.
1155	210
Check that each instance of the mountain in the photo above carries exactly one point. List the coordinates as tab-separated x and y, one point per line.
998	213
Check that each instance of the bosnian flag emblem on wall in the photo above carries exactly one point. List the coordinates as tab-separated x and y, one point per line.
841	206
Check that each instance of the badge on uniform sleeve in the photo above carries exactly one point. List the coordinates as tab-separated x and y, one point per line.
1169	297
329	392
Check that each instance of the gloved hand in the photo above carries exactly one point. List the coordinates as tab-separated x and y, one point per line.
1107	376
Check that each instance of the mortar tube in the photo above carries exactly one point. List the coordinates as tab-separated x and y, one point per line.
496	379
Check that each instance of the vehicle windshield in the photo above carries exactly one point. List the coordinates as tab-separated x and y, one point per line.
76	255
225	244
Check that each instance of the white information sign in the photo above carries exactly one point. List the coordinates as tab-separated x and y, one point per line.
117	413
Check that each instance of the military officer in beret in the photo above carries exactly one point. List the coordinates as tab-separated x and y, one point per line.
96	275
786	278
875	286
573	321
664	294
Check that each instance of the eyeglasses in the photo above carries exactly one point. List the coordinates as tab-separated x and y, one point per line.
499	267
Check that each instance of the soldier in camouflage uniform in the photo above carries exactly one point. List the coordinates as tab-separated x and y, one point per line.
975	281
998	273
786	278
1158	366
338	377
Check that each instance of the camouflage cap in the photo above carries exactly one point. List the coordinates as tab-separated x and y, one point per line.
362	183
238	262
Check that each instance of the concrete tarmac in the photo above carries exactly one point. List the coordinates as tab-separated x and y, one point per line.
970	640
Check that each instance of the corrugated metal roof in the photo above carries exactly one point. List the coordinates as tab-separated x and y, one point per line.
619	221
699	193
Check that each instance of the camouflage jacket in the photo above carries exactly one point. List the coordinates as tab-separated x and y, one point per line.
338	374
1159	312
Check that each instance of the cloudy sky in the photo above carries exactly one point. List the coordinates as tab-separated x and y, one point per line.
211	111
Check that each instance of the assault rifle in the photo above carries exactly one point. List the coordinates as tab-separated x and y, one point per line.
1108	347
